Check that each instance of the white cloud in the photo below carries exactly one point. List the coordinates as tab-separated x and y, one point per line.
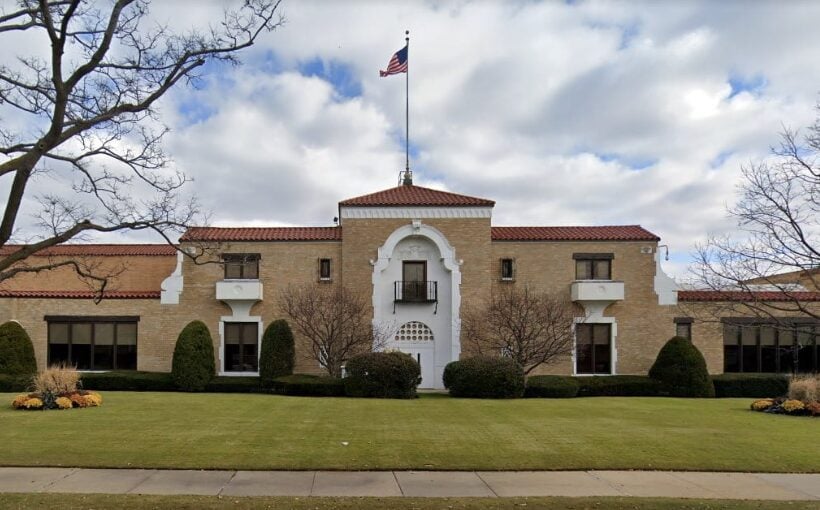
593	112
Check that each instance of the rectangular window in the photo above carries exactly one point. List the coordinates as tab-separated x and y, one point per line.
770	347
593	349
324	269
683	327
414	280
241	347
593	266
507	269
241	266
93	343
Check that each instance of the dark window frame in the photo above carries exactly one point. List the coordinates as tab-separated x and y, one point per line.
507	269
241	344
93	321
591	259
788	352
686	324
325	269
609	344
244	261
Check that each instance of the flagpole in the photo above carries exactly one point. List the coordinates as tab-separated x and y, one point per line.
407	107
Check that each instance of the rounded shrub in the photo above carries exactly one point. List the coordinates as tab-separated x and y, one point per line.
277	353
382	375
16	351
484	377
193	366
551	386
681	369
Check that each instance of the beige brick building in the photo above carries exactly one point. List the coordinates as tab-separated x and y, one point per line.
421	257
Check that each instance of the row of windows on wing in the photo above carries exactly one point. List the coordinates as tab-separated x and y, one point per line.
588	266
245	266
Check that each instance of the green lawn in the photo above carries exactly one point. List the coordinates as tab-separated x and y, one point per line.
98	501
231	431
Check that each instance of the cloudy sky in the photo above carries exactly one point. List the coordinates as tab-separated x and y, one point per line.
565	113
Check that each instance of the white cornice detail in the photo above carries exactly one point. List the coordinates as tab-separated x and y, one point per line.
415	212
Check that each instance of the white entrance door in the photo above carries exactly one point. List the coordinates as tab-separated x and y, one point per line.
425	357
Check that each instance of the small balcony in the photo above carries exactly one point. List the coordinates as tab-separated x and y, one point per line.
415	292
597	290
239	290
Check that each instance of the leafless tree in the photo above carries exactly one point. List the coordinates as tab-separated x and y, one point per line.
90	111
335	321
533	328
778	240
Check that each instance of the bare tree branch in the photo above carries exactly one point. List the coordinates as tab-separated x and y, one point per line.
776	251
533	328
335	321
96	111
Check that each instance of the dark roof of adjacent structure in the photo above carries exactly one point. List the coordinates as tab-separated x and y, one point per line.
81	294
741	295
603	233
104	250
410	195
262	234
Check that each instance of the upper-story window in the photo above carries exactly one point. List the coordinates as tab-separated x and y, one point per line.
593	266
507	269
324	269
683	327
241	266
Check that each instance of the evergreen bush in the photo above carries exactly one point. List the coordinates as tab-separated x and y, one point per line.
16	351
681	370
276	358
484	377
382	375
193	365
551	386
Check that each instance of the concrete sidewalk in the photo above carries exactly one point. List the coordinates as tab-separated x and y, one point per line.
672	484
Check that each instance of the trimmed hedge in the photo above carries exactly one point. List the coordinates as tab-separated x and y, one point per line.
305	385
128	381
224	384
276	357
16	351
750	385
619	386
193	366
551	386
14	383
484	377
163	381
382	375
681	369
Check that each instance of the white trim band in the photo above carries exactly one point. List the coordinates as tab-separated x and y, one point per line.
415	212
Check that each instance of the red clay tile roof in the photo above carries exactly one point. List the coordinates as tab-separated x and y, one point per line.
262	234
739	295
80	294
409	195
606	233
103	250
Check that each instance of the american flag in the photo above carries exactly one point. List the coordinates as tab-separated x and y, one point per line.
397	65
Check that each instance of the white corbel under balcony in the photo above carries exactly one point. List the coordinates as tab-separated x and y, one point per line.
240	295
596	295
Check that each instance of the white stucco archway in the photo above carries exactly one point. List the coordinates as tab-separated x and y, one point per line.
444	317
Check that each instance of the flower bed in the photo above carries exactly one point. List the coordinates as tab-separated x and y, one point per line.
66	400
802	399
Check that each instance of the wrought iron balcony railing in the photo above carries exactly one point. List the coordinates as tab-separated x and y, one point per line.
415	292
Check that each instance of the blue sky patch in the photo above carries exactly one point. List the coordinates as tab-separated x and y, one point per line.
720	159
340	75
633	163
752	84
